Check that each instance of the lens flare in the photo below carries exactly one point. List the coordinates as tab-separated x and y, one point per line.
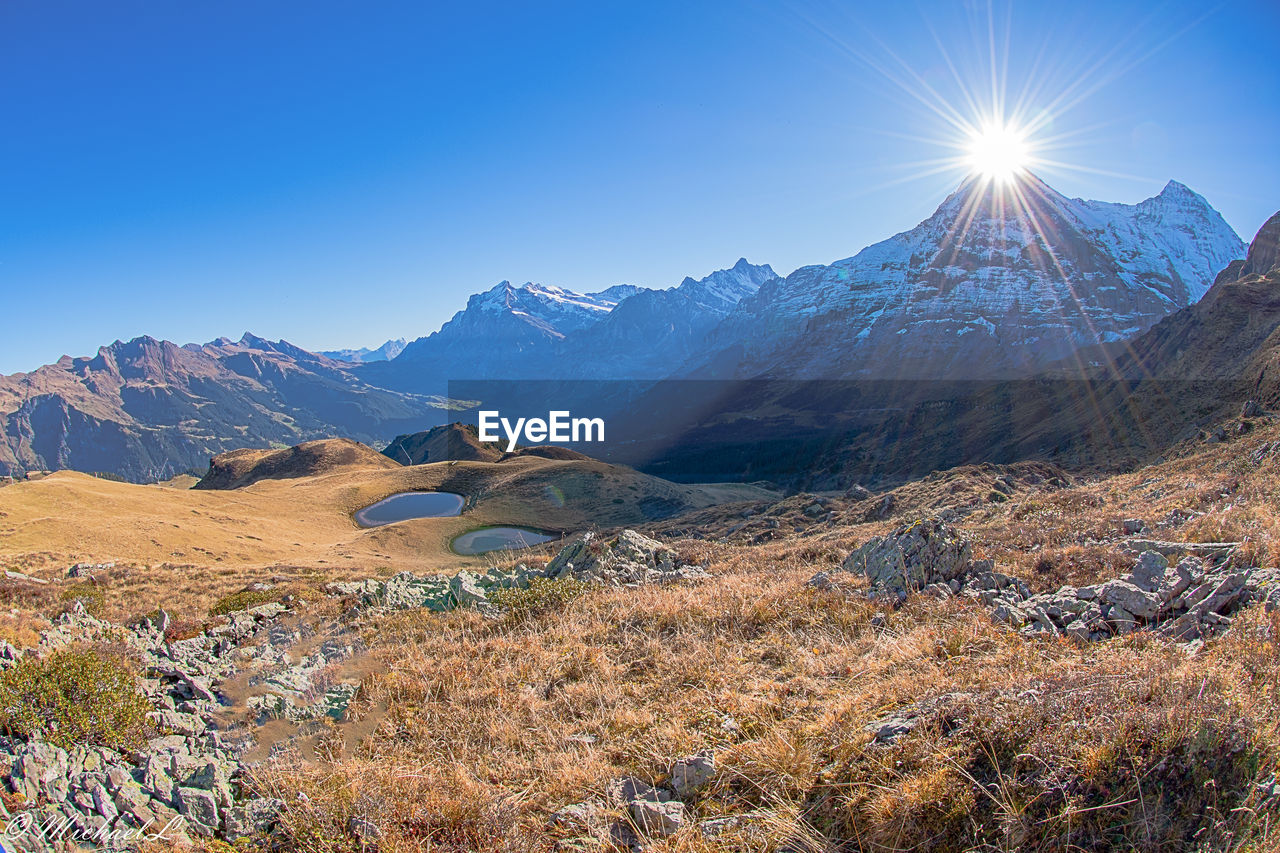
998	152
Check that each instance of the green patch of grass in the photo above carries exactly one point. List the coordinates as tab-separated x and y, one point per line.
242	600
89	594
543	595
74	697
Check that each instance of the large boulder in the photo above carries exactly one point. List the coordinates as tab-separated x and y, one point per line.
627	559
911	558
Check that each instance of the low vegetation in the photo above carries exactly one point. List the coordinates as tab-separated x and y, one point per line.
541	596
74	697
242	600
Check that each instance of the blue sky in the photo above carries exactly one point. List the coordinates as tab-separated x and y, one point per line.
337	173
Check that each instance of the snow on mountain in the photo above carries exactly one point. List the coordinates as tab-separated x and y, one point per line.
507	332
998	282
537	331
649	335
386	352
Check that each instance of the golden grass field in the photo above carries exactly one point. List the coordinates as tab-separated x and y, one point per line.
183	548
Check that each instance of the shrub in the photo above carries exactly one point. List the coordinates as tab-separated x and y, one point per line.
242	600
89	595
542	595
74	697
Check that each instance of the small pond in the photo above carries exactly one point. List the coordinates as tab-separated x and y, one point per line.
407	505
488	539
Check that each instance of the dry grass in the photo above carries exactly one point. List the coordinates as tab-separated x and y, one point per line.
1021	744
1025	744
481	728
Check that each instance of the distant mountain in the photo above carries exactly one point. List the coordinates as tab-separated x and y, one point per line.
540	332
386	352
1000	281
653	333
506	331
148	409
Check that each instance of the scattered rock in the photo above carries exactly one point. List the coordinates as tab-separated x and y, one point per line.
628	559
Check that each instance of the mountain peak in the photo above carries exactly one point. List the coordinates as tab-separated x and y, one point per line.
1264	251
1011	198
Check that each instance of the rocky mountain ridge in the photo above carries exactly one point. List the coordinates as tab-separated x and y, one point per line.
998	282
147	409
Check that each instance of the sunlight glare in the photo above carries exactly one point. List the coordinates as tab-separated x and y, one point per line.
998	152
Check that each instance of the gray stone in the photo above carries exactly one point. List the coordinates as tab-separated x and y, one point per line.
821	580
1124	621
467	590
1135	601
200	808
627	559
103	804
1149	573
692	774
41	770
630	788
657	820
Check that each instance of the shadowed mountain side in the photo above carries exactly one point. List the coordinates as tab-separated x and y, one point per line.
1230	334
241	468
832	435
445	443
1194	367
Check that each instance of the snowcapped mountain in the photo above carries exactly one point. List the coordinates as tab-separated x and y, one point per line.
542	332
386	352
651	334
505	332
1000	281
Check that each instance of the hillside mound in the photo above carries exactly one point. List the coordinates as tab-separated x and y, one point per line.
240	468
549	451
456	442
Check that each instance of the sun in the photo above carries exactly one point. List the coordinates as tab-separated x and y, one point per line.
998	152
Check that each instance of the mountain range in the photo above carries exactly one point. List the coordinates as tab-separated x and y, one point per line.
1000	282
147	409
539	332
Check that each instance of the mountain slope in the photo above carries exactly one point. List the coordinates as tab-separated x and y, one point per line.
147	409
998	282
1230	334
649	335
